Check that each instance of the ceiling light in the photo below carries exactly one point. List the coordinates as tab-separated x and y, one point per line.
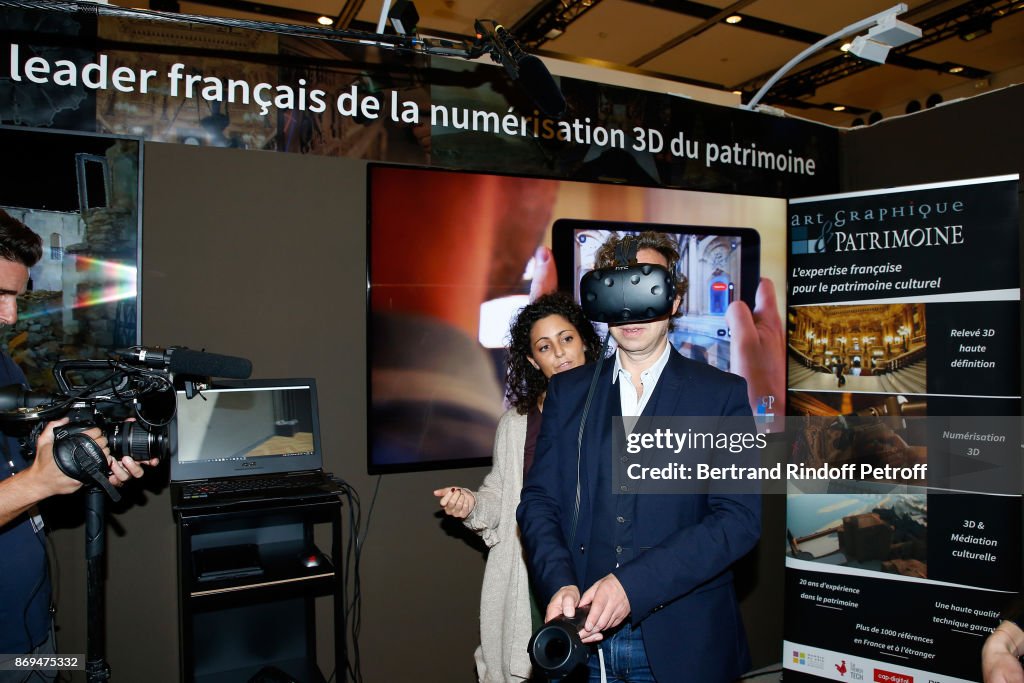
975	28
404	17
870	50
733	19
325	21
955	69
839	107
737	92
893	32
845	47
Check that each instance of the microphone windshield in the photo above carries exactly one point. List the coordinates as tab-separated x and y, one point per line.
538	82
199	363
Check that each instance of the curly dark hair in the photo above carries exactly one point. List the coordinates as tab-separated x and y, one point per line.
658	241
17	241
525	383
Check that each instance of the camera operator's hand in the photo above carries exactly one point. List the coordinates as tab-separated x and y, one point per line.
127	467
41	480
44	473
456	501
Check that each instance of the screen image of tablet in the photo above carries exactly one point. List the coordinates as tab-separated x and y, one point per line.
717	265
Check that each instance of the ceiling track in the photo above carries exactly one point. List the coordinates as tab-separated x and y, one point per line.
935	29
549	20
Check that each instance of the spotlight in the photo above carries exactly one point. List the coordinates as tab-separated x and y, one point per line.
875	117
839	107
893	32
403	16
733	19
865	48
933	100
857	122
975	28
912	106
325	21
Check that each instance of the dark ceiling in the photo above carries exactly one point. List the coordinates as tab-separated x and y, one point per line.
966	48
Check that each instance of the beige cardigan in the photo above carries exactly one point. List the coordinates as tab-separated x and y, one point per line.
505	624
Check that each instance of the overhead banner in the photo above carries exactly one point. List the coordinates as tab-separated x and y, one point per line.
111	71
903	350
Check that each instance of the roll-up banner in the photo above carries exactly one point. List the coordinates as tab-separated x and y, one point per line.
903	341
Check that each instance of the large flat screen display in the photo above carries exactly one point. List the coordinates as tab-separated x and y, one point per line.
454	256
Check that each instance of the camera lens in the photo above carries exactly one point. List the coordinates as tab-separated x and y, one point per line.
130	438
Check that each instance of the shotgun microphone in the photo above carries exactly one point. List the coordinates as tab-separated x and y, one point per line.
183	361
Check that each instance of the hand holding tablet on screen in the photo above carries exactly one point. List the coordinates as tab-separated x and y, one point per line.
758	351
730	315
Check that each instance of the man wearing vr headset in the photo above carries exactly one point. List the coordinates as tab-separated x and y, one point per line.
653	569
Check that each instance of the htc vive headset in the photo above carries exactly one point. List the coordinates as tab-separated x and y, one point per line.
628	291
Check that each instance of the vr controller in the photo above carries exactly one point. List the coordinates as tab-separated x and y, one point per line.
623	294
555	648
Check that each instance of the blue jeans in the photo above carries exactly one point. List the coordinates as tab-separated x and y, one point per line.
625	659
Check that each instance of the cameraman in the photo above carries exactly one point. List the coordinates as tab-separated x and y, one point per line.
25	612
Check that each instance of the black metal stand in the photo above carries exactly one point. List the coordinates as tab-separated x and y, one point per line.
96	668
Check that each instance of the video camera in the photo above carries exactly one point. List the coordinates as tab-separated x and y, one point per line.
129	396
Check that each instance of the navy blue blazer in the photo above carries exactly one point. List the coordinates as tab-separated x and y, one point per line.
679	584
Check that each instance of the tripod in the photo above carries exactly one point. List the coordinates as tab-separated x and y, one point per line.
96	667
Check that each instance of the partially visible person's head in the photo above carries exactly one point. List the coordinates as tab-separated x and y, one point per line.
549	336
643	340
20	249
17	242
660	242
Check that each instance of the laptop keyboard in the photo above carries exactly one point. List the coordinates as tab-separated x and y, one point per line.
208	489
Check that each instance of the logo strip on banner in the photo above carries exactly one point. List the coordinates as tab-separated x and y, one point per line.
836	666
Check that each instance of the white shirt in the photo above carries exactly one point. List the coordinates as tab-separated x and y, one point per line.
631	405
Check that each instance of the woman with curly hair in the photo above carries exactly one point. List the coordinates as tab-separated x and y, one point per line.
549	336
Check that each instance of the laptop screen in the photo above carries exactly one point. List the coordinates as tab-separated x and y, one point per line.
246	427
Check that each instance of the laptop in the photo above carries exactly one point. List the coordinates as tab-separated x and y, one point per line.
242	442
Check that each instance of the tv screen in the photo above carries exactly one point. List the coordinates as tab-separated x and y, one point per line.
453	256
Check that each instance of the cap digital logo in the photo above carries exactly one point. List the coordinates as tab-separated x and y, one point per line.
890	677
810	239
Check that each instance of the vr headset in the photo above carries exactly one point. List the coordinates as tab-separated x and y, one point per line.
628	291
